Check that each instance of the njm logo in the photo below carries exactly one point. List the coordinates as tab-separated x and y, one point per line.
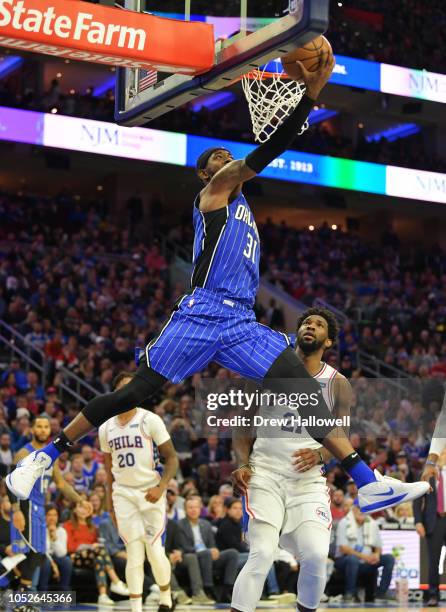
432	184
425	82
100	135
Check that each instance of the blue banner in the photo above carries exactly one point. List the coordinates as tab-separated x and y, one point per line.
348	71
356	73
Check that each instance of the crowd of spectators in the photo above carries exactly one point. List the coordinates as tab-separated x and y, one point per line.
392	294
406	34
22	93
83	294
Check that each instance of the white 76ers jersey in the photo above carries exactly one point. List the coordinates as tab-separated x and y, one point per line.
133	448
274	446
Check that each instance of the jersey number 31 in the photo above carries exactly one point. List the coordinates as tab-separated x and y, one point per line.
251	248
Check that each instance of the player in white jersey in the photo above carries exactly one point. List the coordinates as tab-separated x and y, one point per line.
131	443
285	494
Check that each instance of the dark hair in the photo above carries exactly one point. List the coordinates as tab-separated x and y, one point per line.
120	377
45	417
50	507
230	501
73	520
332	323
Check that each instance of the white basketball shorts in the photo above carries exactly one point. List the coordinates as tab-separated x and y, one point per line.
286	503
138	518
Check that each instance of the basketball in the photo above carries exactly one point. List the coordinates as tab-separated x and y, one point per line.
310	55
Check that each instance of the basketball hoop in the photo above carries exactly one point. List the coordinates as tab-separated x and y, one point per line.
271	97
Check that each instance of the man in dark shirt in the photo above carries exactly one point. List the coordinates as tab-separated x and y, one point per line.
183	563
229	533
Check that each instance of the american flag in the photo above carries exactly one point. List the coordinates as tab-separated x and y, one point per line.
147	78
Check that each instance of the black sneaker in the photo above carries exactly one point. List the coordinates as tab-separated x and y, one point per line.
432	602
164	608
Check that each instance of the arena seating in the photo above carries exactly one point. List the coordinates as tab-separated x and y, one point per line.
68	292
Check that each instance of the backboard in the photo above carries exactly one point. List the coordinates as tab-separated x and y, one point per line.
248	35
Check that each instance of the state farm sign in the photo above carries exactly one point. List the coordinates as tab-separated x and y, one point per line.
48	22
106	35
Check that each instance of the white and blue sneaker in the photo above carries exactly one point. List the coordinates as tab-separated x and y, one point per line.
387	492
22	480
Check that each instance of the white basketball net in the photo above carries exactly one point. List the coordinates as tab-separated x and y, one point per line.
270	101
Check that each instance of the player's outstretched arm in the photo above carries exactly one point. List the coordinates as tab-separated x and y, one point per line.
236	172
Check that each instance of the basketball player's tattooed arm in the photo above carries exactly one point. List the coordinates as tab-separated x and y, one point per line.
171	464
227	182
305	459
67	490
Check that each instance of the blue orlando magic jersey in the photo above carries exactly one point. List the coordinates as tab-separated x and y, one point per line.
227	251
39	490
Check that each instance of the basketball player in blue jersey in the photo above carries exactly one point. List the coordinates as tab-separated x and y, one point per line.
215	320
28	524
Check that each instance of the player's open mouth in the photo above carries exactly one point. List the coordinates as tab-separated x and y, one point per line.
308	336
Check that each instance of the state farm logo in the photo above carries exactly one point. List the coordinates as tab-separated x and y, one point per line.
79	27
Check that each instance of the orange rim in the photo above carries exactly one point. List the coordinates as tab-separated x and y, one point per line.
254	74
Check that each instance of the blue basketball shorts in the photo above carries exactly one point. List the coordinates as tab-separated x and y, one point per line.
205	327
35	529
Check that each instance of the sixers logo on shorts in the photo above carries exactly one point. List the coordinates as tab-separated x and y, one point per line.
323	514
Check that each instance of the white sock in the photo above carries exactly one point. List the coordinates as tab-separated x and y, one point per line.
166	598
136	604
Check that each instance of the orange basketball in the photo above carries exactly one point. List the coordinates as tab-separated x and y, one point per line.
311	55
